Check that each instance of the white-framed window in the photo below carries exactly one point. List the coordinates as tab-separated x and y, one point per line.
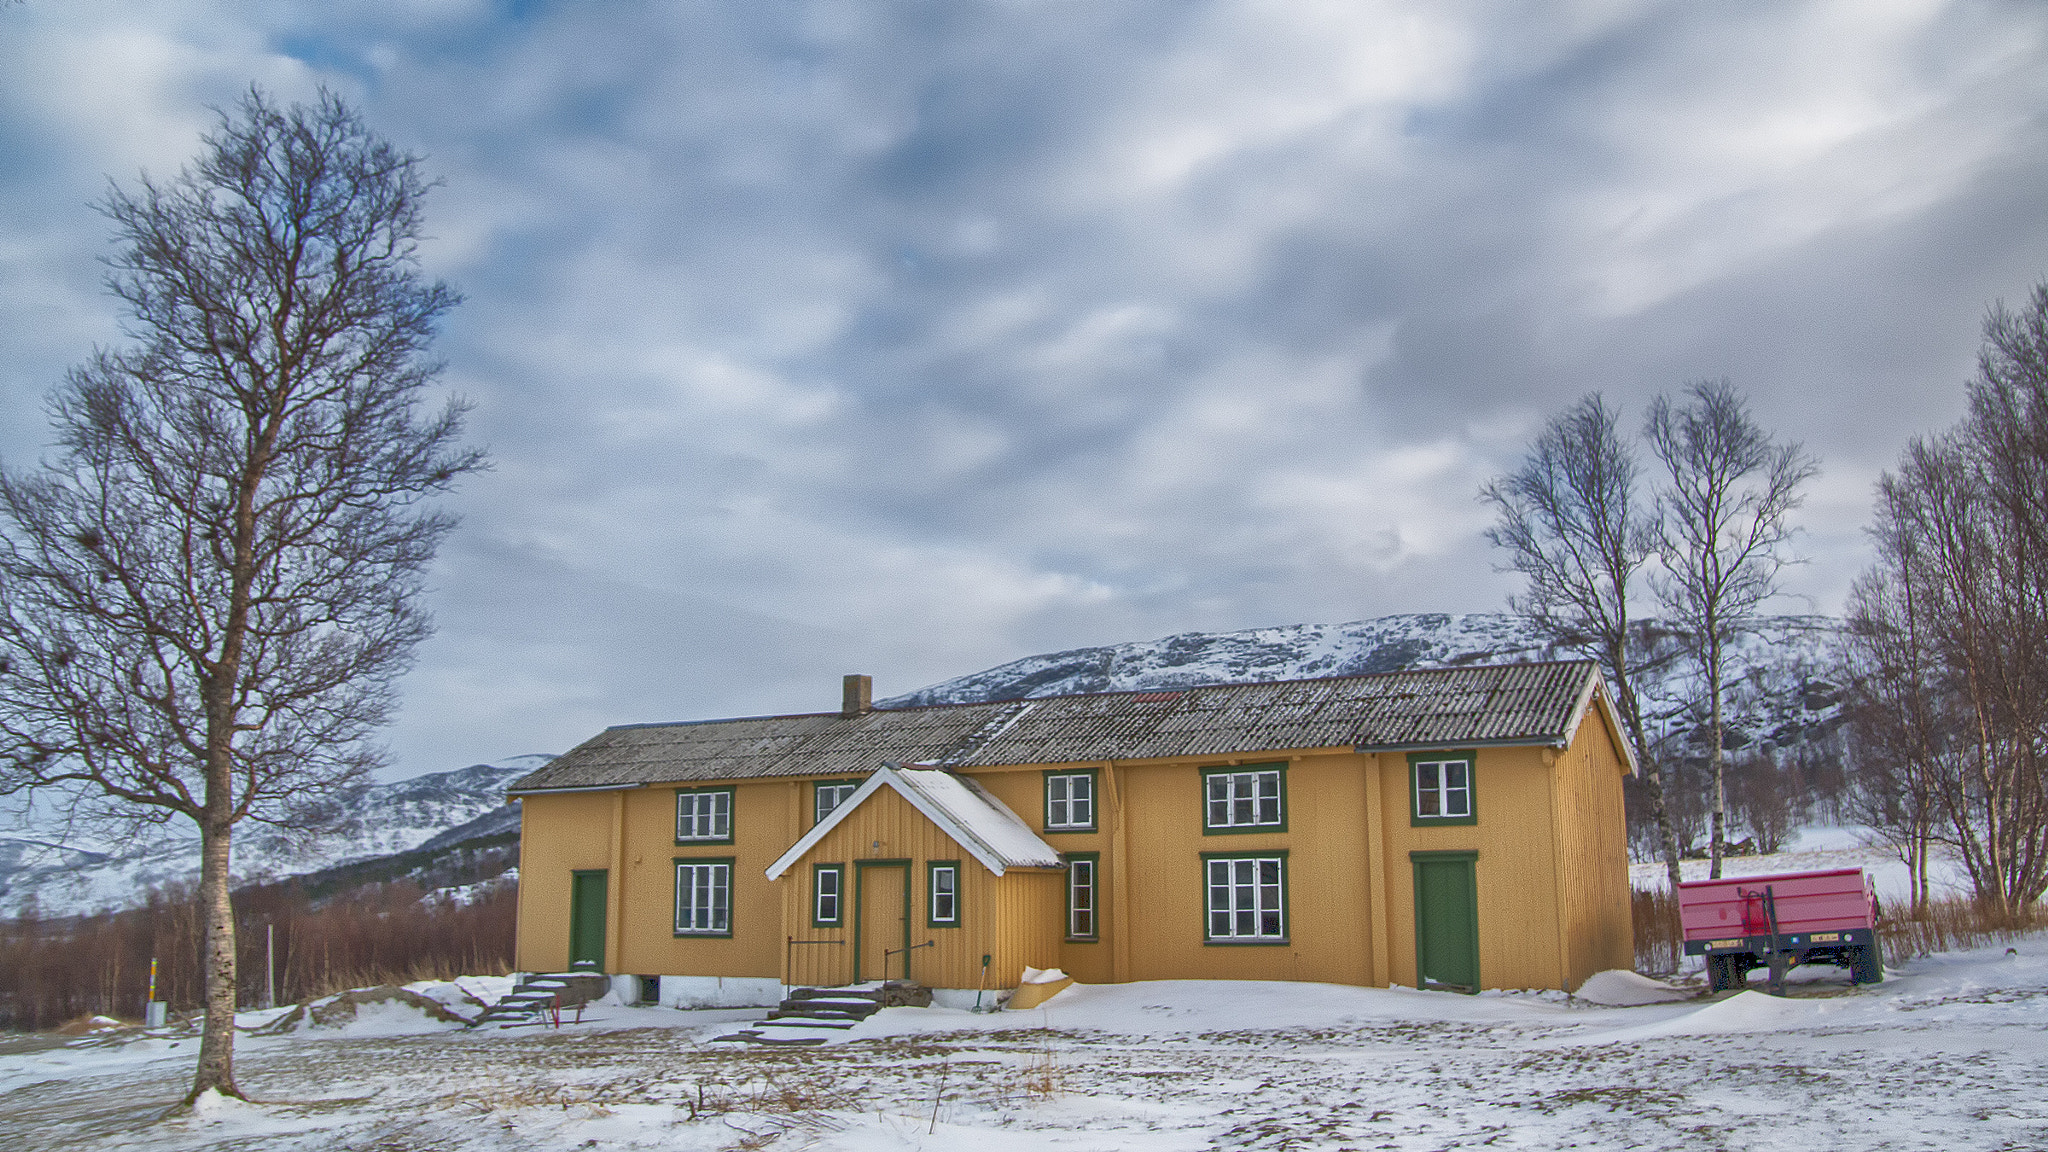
1081	896
1245	799
944	877
828	887
1070	801
704	897
1443	788
704	815
828	795
1247	898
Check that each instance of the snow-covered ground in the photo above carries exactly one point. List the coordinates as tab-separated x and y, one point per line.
1950	1053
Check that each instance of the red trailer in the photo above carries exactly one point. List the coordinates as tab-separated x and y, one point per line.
1781	920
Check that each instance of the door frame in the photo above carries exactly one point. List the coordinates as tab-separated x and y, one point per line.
576	902
860	884
1469	858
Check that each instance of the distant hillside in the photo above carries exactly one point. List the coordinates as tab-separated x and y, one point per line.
430	812
1780	694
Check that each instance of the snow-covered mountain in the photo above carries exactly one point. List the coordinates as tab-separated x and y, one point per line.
388	819
1781	694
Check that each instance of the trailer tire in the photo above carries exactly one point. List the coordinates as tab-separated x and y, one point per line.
1869	966
1721	973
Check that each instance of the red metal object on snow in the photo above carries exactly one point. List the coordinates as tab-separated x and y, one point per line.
1781	920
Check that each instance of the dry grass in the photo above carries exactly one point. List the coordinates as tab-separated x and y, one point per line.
1659	942
334	981
1952	926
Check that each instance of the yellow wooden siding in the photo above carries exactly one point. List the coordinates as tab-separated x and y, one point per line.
558	835
1022	790
1519	922
1593	855
563	833
1011	919
1330	869
1327	877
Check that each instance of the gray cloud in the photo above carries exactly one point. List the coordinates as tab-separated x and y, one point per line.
908	339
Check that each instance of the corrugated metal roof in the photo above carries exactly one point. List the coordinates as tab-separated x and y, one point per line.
1442	707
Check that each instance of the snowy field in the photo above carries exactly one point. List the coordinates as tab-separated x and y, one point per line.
1950	1053
1814	848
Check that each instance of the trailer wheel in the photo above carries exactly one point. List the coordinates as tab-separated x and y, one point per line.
1721	973
1869	965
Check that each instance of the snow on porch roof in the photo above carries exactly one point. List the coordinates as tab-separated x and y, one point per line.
962	809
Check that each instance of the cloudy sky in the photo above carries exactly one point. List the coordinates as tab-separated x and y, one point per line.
813	338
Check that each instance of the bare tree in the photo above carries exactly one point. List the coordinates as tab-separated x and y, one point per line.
1901	716
1571	525
1963	543
1722	527
209	589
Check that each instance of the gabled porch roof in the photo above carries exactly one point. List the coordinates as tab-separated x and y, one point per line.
982	825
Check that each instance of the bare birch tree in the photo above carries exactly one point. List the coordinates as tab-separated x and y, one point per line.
209	588
1901	719
1572	525
1722	527
1963	531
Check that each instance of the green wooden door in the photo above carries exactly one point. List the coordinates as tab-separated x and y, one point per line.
881	925
586	921
1446	921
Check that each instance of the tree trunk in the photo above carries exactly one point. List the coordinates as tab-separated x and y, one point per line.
1667	833
1653	773
217	1040
1717	832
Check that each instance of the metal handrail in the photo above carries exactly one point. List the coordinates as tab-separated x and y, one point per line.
789	953
906	957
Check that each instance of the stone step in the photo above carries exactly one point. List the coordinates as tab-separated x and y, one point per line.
852	1009
751	1037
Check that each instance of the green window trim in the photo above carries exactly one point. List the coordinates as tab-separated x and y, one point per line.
932	871
819	813
1444	793
1092	800
706	815
1285	937
819	894
1209	828
712	931
1080	865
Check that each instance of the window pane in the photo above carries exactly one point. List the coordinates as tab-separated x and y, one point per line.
1066	801
1081	898
1269	797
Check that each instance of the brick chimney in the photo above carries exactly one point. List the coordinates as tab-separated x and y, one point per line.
858	696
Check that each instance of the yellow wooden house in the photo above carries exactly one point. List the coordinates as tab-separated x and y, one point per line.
1458	828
